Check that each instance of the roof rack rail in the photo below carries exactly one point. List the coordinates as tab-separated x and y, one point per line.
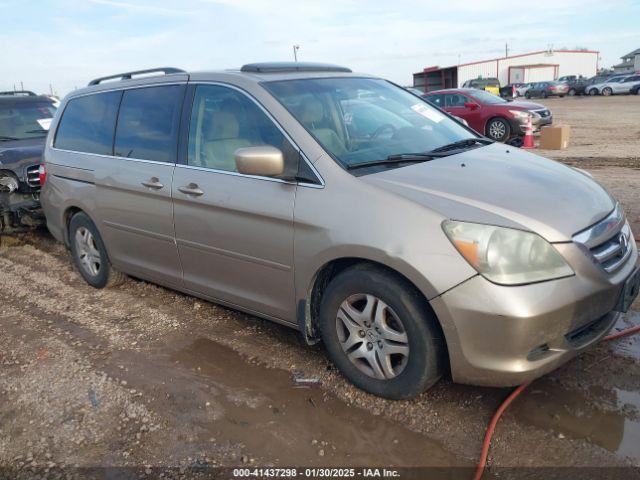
278	67
18	93
128	75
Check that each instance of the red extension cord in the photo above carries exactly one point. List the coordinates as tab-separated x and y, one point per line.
482	462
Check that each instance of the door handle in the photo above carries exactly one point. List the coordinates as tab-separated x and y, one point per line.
153	183
191	189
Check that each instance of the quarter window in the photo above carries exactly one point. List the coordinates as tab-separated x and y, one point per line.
224	120
87	124
148	123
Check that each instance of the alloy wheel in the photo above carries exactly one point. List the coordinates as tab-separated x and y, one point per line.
372	336
497	130
87	251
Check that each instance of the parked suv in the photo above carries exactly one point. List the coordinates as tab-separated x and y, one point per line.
490	115
24	121
344	206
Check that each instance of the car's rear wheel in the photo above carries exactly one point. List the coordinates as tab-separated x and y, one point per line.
544	94
90	255
527	95
498	129
606	91
380	333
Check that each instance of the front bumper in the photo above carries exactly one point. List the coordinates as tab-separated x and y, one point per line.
520	128
503	336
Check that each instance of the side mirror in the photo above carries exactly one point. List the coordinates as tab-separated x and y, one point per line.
471	105
263	161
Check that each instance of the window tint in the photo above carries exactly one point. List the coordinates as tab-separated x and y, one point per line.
148	123
224	120
87	123
455	100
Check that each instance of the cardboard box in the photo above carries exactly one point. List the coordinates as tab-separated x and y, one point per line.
555	137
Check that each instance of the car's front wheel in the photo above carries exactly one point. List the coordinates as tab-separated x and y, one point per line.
527	95
498	129
593	92
89	253
380	333
606	91
571	92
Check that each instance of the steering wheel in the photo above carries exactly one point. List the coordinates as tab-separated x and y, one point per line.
382	128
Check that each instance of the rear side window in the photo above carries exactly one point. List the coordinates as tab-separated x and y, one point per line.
87	123
148	123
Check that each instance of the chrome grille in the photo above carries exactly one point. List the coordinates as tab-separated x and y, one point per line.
608	241
33	176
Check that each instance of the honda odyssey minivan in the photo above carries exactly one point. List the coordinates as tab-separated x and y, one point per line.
346	207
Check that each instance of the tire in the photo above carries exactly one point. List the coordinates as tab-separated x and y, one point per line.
593	92
527	95
561	96
90	255
407	318
571	92
544	94
498	129
606	91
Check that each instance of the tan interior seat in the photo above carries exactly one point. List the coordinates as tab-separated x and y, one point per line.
222	140
311	116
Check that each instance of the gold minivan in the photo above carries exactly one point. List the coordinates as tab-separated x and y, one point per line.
346	207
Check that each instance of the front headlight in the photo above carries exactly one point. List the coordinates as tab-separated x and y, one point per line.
521	115
506	256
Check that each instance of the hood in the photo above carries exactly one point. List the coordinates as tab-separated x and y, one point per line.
15	155
524	105
504	186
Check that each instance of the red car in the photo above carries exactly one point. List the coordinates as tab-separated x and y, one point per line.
489	114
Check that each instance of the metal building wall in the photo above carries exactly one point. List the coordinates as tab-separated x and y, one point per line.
570	62
475	70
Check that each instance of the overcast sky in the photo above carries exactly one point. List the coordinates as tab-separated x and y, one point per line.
68	42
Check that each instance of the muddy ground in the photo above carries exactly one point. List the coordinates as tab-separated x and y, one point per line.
143	376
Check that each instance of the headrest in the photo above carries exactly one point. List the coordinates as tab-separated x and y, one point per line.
311	112
223	126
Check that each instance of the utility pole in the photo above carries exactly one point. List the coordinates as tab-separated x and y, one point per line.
295	52
506	50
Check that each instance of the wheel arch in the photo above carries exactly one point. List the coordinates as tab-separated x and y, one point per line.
309	308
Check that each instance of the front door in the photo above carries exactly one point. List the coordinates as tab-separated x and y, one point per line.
234	232
461	106
134	185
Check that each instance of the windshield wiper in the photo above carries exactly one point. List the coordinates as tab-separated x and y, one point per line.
4	138
467	142
40	130
399	158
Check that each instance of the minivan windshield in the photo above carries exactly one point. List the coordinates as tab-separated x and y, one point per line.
24	120
361	120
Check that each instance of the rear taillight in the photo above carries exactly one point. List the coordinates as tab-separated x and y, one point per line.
42	175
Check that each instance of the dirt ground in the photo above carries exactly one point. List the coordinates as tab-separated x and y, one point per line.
143	376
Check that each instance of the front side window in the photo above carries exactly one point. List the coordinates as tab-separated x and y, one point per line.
365	119
23	120
224	120
455	100
88	122
148	123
